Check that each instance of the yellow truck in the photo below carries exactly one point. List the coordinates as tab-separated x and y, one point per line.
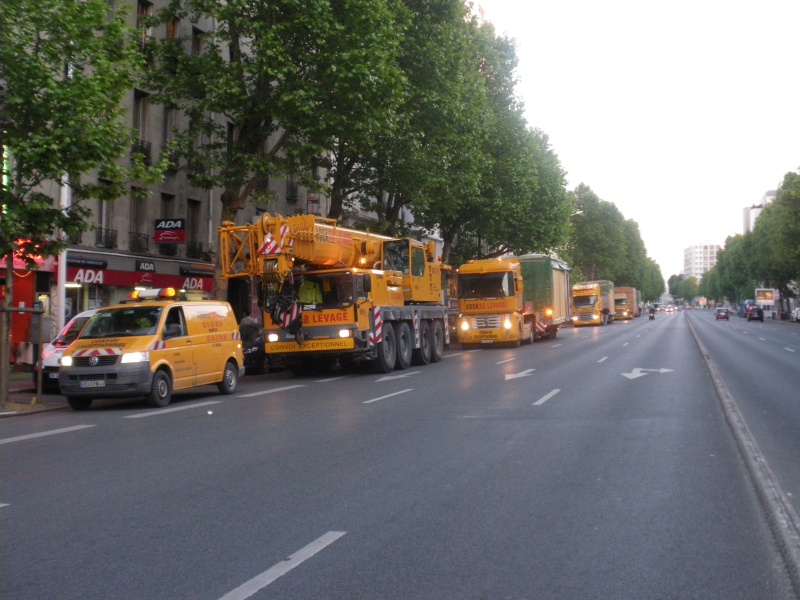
332	293
593	302
626	302
513	299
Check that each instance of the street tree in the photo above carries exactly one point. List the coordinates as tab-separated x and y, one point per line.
274	86
65	68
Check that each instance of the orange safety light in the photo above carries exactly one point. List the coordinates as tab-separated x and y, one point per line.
151	294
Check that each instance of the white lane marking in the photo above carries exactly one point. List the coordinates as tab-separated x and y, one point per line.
789	349
32	436
505	361
164	411
265	392
331	379
762	339
625	344
387	396
544	399
259	582
4	505
460	353
602	359
556	345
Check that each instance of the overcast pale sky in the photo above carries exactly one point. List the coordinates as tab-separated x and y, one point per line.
681	113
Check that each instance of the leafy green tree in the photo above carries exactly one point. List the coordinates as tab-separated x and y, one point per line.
276	86
65	68
598	241
432	163
652	283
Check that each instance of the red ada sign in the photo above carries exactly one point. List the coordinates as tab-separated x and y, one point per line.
170	231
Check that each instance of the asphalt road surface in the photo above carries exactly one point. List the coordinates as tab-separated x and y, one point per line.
596	465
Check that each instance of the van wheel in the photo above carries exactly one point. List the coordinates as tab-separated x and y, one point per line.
387	351
161	393
405	345
422	355
79	403
437	342
229	379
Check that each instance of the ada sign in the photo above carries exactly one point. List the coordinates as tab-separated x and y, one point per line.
169	231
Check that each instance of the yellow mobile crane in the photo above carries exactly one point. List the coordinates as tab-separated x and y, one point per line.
335	293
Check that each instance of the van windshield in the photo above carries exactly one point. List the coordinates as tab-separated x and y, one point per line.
121	322
70	332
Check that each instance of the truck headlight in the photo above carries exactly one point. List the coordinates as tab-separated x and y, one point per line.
135	357
272	337
345	333
507	323
464	325
66	361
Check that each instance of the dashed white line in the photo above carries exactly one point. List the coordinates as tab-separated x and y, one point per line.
331	379
556	345
264	392
625	344
789	349
544	399
259	582
505	361
602	359
387	396
166	411
32	436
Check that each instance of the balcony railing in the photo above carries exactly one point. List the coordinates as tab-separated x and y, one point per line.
138	242
168	249
75	239
143	148
194	249
105	238
174	158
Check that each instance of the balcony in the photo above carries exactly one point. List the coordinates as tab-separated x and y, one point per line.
168	249
174	158
194	250
105	238
138	242
143	148
75	239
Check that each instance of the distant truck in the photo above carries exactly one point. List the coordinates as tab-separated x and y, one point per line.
593	302
512	299
626	302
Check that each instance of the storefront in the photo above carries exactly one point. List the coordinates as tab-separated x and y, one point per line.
96	279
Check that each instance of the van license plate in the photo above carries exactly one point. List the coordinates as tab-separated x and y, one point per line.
52	375
93	383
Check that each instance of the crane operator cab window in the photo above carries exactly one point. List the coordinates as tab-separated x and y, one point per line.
395	257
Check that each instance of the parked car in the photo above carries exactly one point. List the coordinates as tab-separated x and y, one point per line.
796	315
755	313
52	351
723	314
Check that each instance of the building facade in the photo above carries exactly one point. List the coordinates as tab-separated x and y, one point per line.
699	259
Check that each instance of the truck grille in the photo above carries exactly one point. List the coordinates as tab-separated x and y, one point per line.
486	322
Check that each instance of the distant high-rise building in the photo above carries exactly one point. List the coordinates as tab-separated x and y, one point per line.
699	259
751	213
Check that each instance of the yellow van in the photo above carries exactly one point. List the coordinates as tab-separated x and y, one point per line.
150	346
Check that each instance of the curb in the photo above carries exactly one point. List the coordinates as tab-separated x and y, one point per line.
781	516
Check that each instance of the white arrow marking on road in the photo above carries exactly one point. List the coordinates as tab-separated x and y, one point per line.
637	372
401	376
524	373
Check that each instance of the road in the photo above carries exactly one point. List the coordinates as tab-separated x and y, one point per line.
596	465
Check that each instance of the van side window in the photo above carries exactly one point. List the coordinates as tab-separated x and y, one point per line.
175	325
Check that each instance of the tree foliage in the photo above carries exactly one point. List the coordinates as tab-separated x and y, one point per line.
65	68
768	256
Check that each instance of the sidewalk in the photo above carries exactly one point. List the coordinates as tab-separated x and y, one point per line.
22	392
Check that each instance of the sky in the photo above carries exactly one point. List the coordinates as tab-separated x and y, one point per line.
681	113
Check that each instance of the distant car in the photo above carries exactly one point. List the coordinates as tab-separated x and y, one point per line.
723	314
755	313
52	351
796	315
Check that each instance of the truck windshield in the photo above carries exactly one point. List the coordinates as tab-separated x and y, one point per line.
584	300
485	285
620	302
335	290
122	322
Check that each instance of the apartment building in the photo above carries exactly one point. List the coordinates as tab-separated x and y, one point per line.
699	259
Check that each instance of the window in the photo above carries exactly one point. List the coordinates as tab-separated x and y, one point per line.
143	10
172	28
198	41
141	106
138	211
167	206
193	220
